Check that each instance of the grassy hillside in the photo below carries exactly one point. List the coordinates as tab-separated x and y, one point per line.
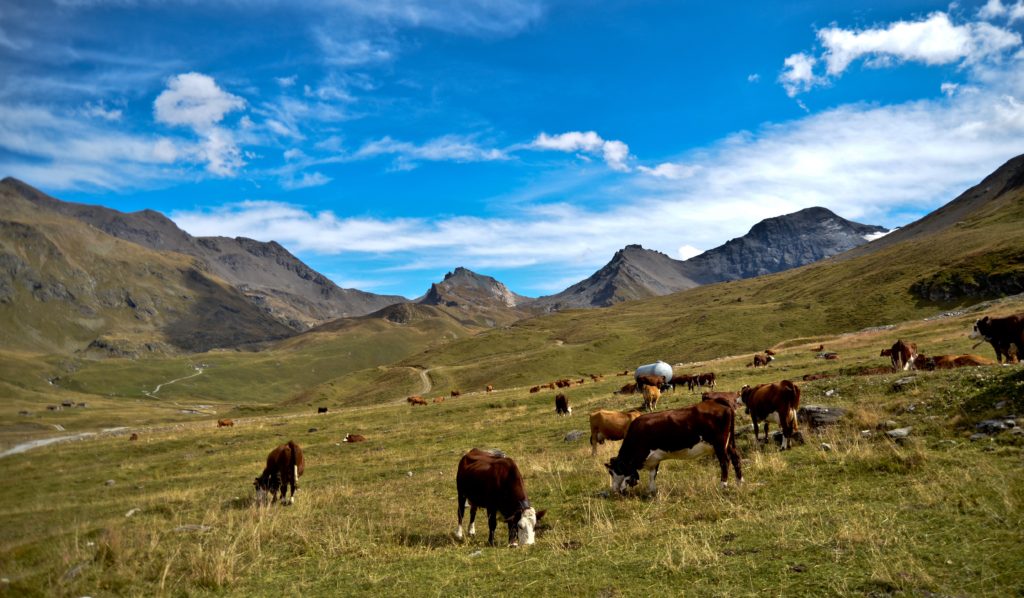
172	512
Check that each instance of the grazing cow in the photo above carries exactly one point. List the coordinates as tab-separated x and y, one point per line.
491	480
284	466
562	405
416	400
609	425
596	377
651	396
225	423
676	434
708	379
830	356
1006	335
650	380
624	373
321	410
628	388
654	374
761	360
354	438
490	388
456	393
885	353
902	355
684	380
134	436
563	383
730	398
769	352
775	402
818	349
439	399
581	381
534	389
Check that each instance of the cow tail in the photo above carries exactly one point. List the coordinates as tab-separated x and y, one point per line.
796	404
294	450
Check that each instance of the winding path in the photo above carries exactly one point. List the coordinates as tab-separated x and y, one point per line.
152	393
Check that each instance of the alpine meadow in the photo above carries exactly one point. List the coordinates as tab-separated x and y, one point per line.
333	247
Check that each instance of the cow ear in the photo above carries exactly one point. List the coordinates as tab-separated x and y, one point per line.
608	466
540	514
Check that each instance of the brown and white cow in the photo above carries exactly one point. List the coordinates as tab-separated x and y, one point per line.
708	426
562	405
651	396
491	480
1006	335
456	393
706	379
489	388
225	423
534	389
776	402
416	400
902	355
609	425
354	438
948	362
284	466
651	380
762	360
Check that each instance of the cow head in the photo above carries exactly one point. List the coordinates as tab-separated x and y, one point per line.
266	484
981	329
744	393
622	475
522	526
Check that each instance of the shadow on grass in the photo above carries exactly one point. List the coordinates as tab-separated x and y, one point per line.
430	540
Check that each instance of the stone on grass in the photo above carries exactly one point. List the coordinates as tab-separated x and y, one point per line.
574	435
899	433
817	416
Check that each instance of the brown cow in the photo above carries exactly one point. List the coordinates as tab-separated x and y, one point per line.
562	405
416	400
761	360
134	436
596	377
628	389
902	355
284	467
609	425
320	410
707	379
769	352
730	398
818	349
776	402
624	373
534	389
948	362
439	399
456	393
676	434
490	479
651	396
650	380
490	388
225	423
683	380
354	438
1006	335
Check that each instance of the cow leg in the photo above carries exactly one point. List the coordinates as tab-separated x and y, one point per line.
472	520
462	511
734	456
651	476
492	522
723	461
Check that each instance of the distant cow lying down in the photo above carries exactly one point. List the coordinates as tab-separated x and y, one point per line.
708	426
354	438
284	466
948	362
416	400
491	480
609	425
225	423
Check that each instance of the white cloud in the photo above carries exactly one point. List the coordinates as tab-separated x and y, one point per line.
934	40
100	111
992	9
286	81
864	162
948	88
669	170
195	100
685	252
448	148
798	74
307	179
615	153
753	78
354	52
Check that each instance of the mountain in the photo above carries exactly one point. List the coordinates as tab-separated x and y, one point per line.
781	243
632	273
272	278
66	286
969	251
772	245
476	299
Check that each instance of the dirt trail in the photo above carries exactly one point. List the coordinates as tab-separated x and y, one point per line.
153	392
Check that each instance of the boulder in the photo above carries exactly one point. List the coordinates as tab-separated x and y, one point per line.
574	435
817	416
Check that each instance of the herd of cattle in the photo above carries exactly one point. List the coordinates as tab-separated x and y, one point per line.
489	479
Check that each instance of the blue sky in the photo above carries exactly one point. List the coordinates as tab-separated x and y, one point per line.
387	142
